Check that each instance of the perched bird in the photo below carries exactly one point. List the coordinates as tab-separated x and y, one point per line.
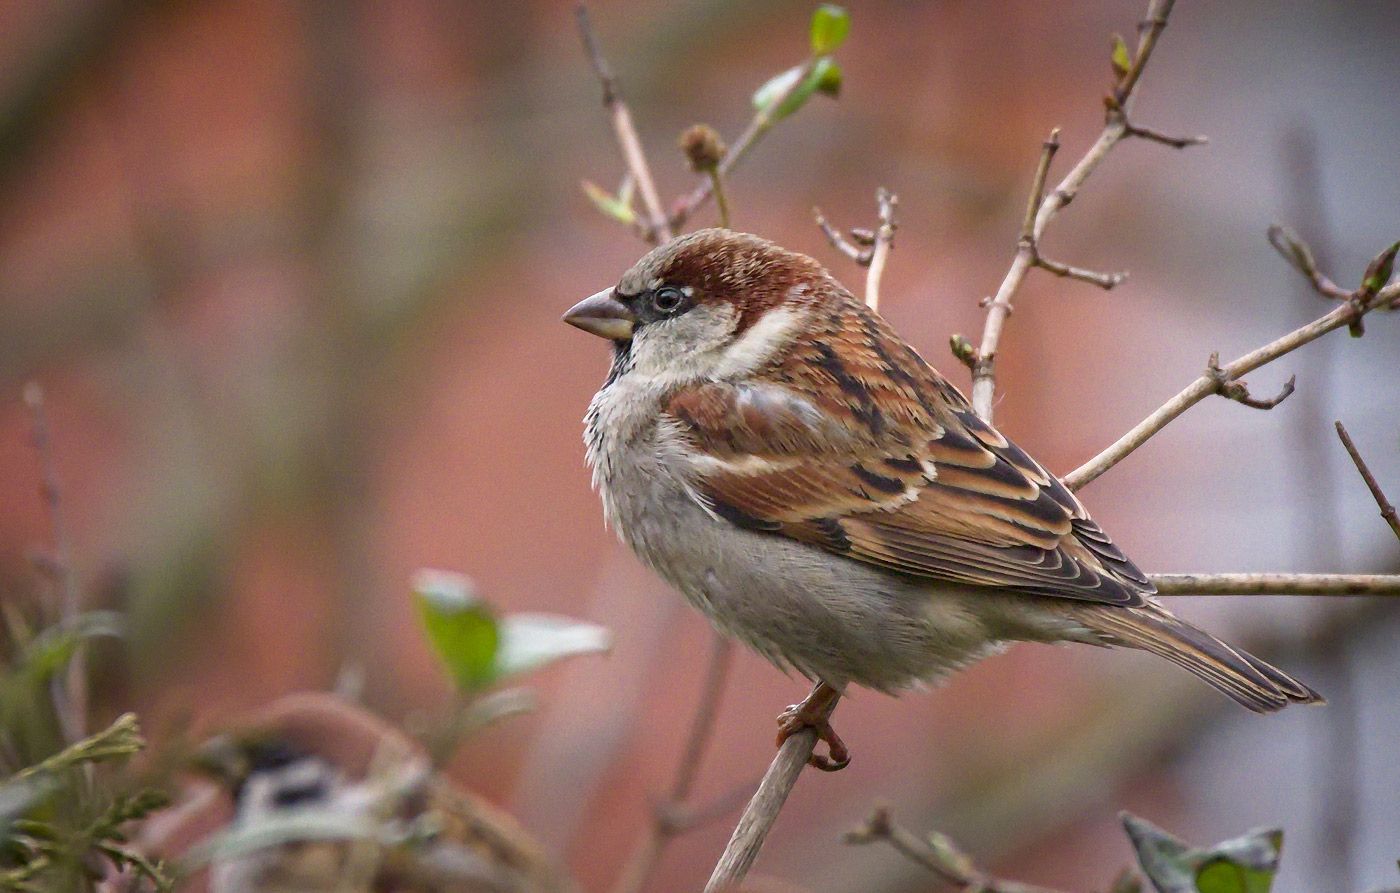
767	444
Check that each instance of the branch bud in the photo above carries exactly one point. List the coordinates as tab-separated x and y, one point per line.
703	148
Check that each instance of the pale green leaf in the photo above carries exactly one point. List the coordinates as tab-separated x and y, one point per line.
830	25
531	641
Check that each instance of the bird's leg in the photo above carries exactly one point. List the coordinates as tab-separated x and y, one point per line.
814	713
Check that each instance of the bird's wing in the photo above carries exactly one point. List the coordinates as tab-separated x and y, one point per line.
897	471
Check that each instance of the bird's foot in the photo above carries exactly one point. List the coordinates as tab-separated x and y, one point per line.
813	714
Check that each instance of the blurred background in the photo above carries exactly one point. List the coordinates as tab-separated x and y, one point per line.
291	276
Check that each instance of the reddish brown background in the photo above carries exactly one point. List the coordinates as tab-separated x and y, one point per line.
291	275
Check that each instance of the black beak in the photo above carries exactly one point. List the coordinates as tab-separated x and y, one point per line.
602	315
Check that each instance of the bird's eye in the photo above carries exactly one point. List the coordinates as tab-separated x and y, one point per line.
667	299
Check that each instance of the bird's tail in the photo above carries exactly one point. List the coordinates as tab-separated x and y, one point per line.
1239	674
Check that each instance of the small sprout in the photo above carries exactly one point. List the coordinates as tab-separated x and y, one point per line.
703	148
830	25
964	350
1121	58
1378	272
618	208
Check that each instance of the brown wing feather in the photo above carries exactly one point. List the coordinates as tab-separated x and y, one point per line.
897	471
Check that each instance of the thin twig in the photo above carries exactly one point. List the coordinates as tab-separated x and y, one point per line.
1157	136
1211	382
880	251
839	242
763	809
1277	584
1301	258
659	230
1387	510
1116	128
867	248
721	202
760	124
937	854
671	817
1105	281
70	694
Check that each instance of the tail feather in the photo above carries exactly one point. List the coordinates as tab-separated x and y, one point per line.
1245	678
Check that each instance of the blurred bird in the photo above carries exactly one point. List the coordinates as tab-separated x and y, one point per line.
328	797
767	444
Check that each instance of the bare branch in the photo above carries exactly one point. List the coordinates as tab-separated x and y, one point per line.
1276	584
1387	510
1238	391
1156	136
1211	382
69	693
1116	128
658	229
671	817
763	809
1300	257
1042	170
939	855
838	241
880	251
1105	281
867	248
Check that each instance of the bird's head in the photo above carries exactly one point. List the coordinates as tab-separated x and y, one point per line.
708	304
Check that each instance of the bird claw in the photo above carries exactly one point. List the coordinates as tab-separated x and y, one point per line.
798	717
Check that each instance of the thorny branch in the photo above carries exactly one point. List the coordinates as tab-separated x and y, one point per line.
1387	510
70	692
1043	209
936	853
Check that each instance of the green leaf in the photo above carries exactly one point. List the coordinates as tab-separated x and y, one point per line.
782	94
830	25
1121	58
1379	271
461	627
53	648
531	641
1241	865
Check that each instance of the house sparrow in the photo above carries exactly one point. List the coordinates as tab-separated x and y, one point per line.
767	444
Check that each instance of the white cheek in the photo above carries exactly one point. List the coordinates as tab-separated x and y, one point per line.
763	340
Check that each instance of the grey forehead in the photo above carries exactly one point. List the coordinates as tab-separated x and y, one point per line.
644	275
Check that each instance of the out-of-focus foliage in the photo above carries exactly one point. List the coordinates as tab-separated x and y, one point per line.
785	93
1245	864
479	648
